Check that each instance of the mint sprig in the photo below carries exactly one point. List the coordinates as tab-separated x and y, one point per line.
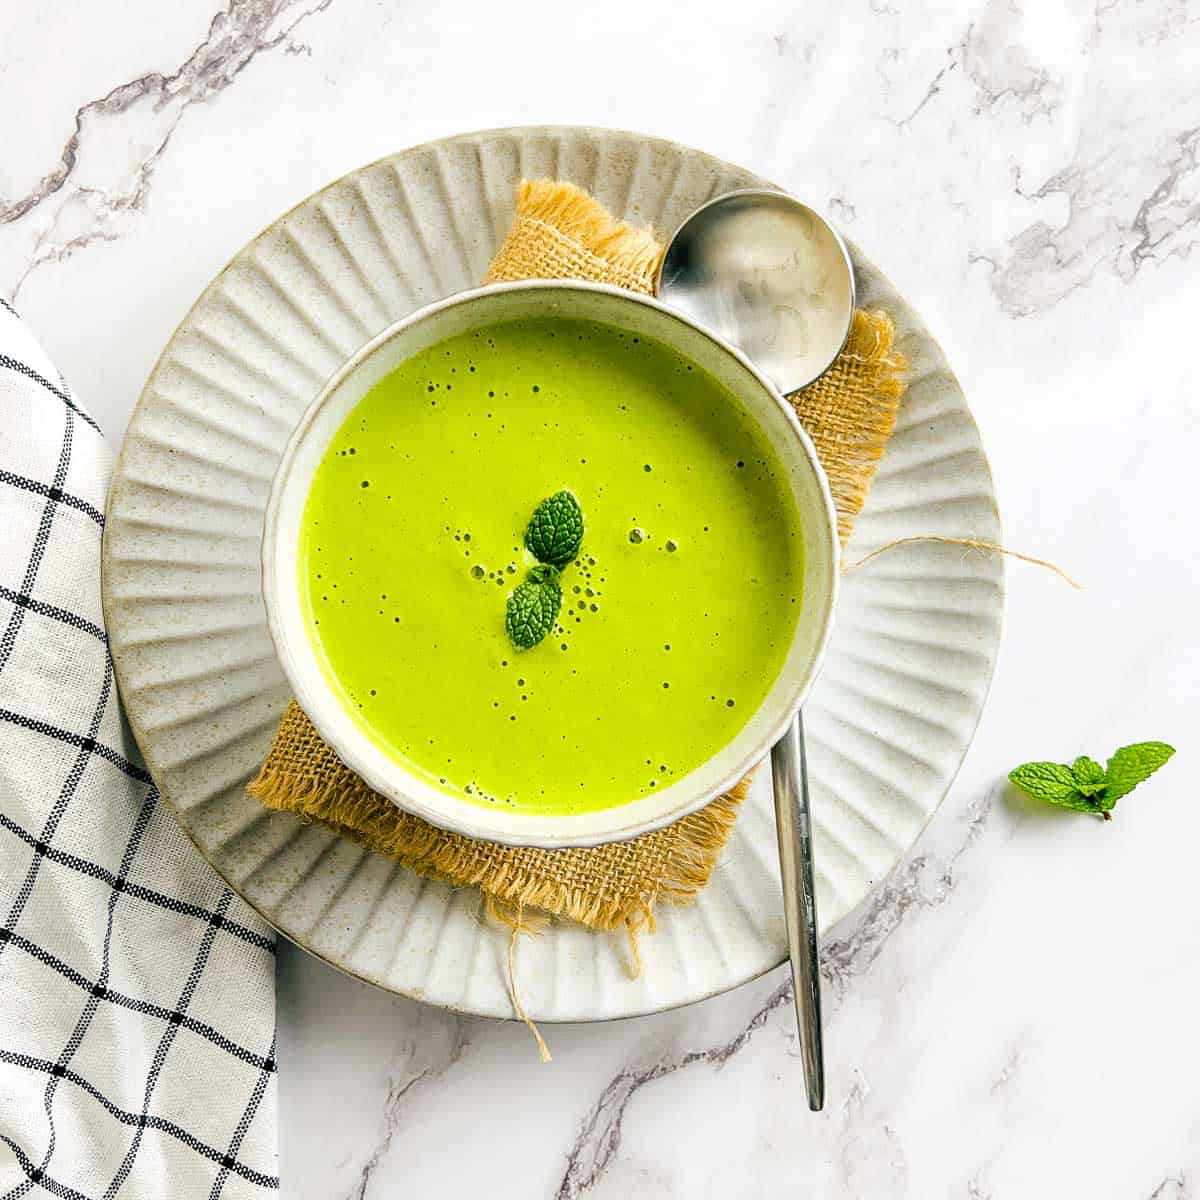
1086	786
555	531
553	536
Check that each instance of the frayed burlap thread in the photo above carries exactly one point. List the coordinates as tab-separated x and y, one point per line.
560	231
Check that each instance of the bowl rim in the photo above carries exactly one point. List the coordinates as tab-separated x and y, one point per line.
311	697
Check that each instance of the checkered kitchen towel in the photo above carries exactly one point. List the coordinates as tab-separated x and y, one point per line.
137	1047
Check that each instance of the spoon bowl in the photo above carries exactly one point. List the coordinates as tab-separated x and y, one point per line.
769	275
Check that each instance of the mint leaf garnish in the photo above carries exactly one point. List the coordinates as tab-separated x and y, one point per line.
1085	785
1130	765
1045	781
555	530
533	607
554	536
1088	775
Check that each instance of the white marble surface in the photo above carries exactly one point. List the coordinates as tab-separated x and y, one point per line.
1014	1014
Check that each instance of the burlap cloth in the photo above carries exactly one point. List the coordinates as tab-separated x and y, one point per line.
561	232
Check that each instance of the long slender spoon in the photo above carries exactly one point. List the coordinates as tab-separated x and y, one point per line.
793	826
768	274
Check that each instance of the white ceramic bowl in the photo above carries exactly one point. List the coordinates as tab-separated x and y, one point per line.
479	309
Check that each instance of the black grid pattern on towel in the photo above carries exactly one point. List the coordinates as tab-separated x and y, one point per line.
132	880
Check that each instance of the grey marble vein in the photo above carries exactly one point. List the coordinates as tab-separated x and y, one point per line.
1011	1066
1173	1187
599	1138
975	1188
842	210
932	88
1126	198
1001	71
399	1089
793	57
145	112
924	881
393	1103
869	1158
1156	219
1147	24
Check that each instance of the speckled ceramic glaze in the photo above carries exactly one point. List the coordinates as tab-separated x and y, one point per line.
888	722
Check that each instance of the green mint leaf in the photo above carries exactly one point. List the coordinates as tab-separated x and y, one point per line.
1078	802
533	607
555	530
1129	766
1089	776
1046	781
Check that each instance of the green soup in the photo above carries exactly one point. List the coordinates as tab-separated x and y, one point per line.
676	615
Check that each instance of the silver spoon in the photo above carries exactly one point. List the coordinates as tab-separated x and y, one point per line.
765	272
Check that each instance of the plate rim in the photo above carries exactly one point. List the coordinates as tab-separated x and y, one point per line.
593	133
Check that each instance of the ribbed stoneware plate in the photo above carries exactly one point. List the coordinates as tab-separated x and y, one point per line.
888	724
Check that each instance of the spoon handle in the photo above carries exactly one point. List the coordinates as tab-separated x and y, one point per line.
789	771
